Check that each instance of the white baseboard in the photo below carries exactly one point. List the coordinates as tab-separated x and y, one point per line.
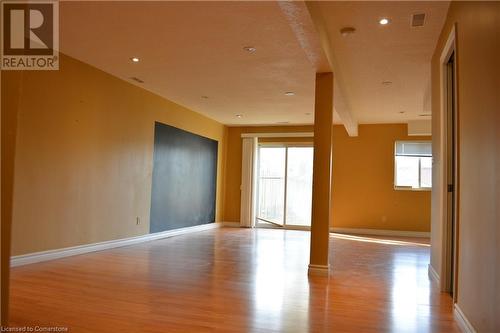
322	270
31	258
230	224
380	232
433	275
462	320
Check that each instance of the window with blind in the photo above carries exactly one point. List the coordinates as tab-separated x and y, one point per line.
413	165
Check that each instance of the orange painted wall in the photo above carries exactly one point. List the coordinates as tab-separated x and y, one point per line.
478	74
363	182
363	177
84	156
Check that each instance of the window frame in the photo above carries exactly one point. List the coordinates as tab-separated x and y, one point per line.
410	188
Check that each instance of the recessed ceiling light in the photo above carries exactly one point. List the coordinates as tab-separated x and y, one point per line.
289	93
134	59
384	21
250	49
239	115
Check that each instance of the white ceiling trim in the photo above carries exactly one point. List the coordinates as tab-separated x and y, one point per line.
302	26
419	127
340	102
279	135
343	110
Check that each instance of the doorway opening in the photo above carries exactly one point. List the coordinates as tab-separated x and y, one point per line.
450	168
284	186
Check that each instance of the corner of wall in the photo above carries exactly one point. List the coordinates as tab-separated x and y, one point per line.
10	109
225	138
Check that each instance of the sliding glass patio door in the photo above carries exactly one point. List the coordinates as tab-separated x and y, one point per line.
271	186
284	190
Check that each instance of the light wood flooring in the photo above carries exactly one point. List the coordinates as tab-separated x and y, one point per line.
236	280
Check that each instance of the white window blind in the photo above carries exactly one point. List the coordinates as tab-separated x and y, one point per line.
413	165
409	148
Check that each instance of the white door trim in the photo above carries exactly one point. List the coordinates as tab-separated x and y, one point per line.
445	277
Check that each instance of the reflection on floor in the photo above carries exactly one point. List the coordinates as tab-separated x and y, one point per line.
236	280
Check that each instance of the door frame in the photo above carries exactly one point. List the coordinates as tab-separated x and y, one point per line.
285	145
450	226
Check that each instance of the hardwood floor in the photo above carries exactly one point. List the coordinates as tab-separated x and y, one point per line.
235	280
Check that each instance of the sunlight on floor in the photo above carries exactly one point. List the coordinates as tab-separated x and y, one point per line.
376	240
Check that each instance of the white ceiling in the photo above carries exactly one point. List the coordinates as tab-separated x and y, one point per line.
395	52
192	49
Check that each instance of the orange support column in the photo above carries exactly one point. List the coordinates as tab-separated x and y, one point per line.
322	174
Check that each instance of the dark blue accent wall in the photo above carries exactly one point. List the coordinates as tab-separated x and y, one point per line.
184	179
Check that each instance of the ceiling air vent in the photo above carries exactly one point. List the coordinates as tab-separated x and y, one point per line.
418	20
136	79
